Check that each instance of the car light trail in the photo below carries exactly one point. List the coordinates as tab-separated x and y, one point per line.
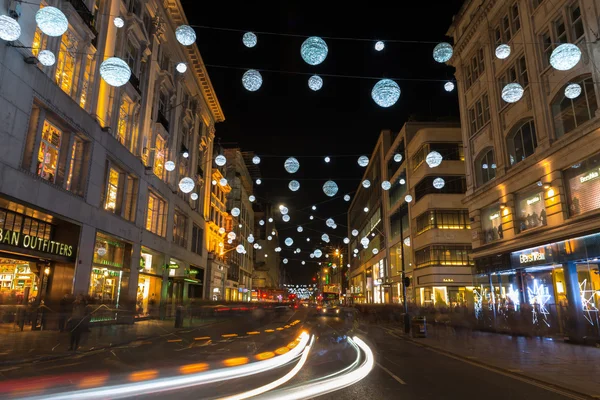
181	382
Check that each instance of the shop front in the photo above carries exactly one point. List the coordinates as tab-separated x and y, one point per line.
37	264
150	283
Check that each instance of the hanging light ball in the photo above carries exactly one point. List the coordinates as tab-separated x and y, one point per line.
565	57
314	50
572	91
347	197
385	93
318	253
439	183
258	181
366	209
221	230
235	212
261	222
283	210
433	159
407	241
300	229
315	82
443	52
270	219
252	80
181	67
298	250
223	182
10	30
354	232
330	222
312	255
364	241
185	35
285	260
363	161
256	160
269	237
289	241
252	198
291	165
194	196
51	21
303	262
449	86
240	248
386	185
231	235
375	251
250	238
512	92
294	186
214	182
46	58
325	238
119	22
503	51
314	208
220	160
379	45
330	188
327	159
366	183
346	240
256	246
355	251
170	166
114	71
408	198
308	239
249	39
286	218
397	157
402	181
186	185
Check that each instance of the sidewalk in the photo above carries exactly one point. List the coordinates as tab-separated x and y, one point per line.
27	346
553	362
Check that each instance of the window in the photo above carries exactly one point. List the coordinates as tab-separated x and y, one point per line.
475	69
568	113
419	157
530	212
124	124
443	219
48	155
25	225
508	26
156	220
443	255
120	192
453	185
180	229
159	157
479	114
131	57
75	182
86	82
112	190
577	31
522	142
197	238
561	32
38	42
536	3
583	186
485	167
491	224
65	64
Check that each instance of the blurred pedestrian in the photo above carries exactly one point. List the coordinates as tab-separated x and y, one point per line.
76	324
65	309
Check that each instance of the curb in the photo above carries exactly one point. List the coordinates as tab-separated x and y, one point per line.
502	370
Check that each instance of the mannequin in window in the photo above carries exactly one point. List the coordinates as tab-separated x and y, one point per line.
575	208
543	217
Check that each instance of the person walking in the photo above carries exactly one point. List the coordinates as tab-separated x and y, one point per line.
77	324
66	304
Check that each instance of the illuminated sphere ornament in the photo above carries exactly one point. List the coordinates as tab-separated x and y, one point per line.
250	238
221	230
439	183
512	92
252	80
256	160
186	185
408	198
375	251
347	197
366	209
565	57
294	185
397	157
402	181
252	198
314	50
291	165
194	196
363	161
449	86
443	52
300	229
46	58
289	241
170	166
315	82
283	210
256	246
240	248
503	51
285	260
354	232
325	238
181	67
223	182
286	218
270	219
327	159
101	251
346	240
185	35
298	250
269	237
318	253
51	21
258	181
379	45
386	185
330	188
364	241
10	30
249	39
407	241
433	159
366	183
572	91
311	255
231	235
220	160
303	262
119	22
114	71
385	93
330	222
355	251
235	212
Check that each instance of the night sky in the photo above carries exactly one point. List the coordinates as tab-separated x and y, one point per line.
285	118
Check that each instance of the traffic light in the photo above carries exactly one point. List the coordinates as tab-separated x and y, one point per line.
406	281
329	264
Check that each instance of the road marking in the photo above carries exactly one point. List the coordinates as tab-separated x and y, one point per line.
269	330
390	373
253	333
174	340
202	338
279	329
229	335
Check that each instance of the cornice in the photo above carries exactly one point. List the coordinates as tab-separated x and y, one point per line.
480	17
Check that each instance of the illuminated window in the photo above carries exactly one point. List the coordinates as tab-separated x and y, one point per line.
444	255
443	219
112	190
86	82
156	215
120	192
159	157
125	127
38	42
49	152
65	65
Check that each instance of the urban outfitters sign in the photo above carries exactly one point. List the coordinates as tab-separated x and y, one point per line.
18	239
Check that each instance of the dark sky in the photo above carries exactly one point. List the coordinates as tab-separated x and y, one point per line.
285	118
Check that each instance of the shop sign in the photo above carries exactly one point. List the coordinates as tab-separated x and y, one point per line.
589	176
448	280
25	241
533	200
532	257
494	215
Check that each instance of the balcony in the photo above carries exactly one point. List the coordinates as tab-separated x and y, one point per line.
85	14
161	119
135	82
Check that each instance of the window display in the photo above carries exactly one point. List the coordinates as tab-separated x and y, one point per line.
18	282
49	151
583	182
491	224
110	269
531	211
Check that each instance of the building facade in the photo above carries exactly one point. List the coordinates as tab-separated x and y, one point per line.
89	203
266	277
532	165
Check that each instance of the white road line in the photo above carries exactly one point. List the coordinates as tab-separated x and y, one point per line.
390	373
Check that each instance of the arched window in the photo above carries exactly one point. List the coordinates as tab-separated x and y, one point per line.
485	167
521	142
568	113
